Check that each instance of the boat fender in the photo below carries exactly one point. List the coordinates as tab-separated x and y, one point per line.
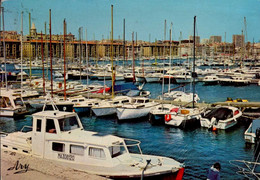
236	112
185	111
167	117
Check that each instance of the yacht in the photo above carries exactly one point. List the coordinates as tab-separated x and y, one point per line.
60	137
223	117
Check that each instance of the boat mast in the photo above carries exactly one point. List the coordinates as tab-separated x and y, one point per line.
124	43
64	56
80	54
30	48
194	56
22	50
133	64
2	9
46	48
169	86
43	75
87	60
112	53
164	57
51	57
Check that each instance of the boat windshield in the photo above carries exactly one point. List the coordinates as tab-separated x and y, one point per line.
68	123
117	149
18	101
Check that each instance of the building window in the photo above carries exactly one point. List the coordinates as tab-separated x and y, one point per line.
77	150
50	126
96	153
39	125
58	147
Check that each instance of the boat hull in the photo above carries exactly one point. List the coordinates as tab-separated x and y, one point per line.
105	111
132	113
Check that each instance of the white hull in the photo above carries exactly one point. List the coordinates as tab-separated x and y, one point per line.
104	111
223	123
132	113
4	112
152	79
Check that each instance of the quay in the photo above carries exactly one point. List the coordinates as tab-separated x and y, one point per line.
241	105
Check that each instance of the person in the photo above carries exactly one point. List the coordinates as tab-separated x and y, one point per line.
213	172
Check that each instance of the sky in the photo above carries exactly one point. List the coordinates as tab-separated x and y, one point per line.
146	17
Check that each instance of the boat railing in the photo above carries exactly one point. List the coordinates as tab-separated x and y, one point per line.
134	143
47	100
26	127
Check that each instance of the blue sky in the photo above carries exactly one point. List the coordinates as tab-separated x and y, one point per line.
214	17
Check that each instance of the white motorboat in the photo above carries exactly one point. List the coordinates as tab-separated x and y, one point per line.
153	77
180	96
184	118
240	81
108	107
60	137
139	107
129	77
158	113
222	117
85	105
12	104
250	133
210	80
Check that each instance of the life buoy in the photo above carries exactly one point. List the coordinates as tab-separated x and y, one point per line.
167	117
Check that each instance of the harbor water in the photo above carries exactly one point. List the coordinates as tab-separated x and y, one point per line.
198	149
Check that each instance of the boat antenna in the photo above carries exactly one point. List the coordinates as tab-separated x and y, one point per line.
194	56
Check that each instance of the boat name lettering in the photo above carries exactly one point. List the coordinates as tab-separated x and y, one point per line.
66	157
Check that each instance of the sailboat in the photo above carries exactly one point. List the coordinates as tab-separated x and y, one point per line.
184	117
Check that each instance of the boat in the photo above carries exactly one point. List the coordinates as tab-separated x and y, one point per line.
60	138
153	77
222	117
250	133
157	114
84	106
12	104
184	118
129	77
210	80
180	96
240	81
108	107
139	107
